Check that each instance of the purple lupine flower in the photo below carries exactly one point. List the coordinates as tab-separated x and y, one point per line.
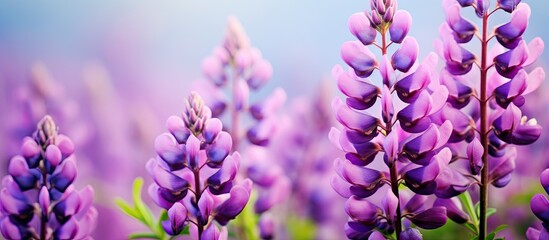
494	123
195	174
38	198
241	69
41	95
303	128
411	143
540	207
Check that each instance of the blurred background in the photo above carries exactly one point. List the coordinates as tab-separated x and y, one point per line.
115	70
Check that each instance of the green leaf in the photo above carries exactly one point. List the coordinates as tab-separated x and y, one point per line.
492	235
490	211
467	203
146	213
143	236
471	227
127	209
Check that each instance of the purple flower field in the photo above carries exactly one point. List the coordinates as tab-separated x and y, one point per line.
372	119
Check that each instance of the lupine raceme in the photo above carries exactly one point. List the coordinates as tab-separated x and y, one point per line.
399	129
486	91
195	174
237	68
38	199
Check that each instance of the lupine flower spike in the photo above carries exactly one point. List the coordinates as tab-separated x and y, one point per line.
38	199
486	113
411	144
194	174
241	68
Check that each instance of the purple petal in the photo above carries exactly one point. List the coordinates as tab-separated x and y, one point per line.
535	49
506	93
355	230
357	121
44	201
508	34
11	231
226	173
176	127
459	61
359	58
409	88
266	227
14	206
177	219
31	152
362	91
205	207
533	234
261	73
341	186
270	105
400	26
67	230
475	150
362	176
540	207
168	180
21	173
413	117
421	180
459	93
212	233
405	57
359	25
416	203
544	179
509	63
508	5
362	210
229	209
213	69
411	234
212	127
219	149
53	156
390	203
65	145
64	175
463	29
376	236
192	149
535	78
431	218
453	209
169	151
261	133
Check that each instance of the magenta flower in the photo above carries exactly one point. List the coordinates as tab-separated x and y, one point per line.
37	197
194	174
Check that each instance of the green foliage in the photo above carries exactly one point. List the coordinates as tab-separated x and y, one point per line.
301	228
143	213
492	235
